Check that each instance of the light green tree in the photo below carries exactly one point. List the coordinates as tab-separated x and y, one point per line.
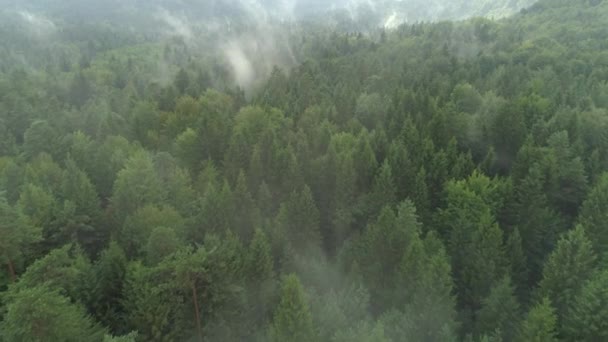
539	324
292	318
41	314
18	236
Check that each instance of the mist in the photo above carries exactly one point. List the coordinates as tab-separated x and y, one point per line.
250	36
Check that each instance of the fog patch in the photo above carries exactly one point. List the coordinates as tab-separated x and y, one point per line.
38	24
241	66
393	21
179	26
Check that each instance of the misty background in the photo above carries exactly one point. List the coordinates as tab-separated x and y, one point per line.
249	37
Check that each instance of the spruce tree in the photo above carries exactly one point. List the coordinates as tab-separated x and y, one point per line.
540	324
292	318
587	317
567	268
41	314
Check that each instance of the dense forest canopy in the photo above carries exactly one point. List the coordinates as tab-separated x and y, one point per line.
168	178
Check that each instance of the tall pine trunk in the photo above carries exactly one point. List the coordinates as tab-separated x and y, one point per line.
197	313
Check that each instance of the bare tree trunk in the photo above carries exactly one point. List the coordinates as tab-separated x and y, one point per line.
197	313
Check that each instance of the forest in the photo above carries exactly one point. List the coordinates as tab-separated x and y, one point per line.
439	181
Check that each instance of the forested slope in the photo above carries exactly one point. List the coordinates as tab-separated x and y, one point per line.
438	182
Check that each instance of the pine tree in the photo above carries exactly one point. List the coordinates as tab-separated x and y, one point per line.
405	178
41	209
499	311
64	269
151	305
137	228
594	215
41	314
216	212
537	223
107	288
17	237
299	218
136	185
383	190
475	244
424	290
380	250
567	268
540	324
247	215
518	265
345	199
292	319
587	317
163	241
81	213
260	279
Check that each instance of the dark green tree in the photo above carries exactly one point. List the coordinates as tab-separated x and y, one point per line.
500	311
299	218
383	190
567	268
586	319
593	215
109	273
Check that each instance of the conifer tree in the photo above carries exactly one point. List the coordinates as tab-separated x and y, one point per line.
587	318
567	268
594	215
539	324
41	314
500	311
292	318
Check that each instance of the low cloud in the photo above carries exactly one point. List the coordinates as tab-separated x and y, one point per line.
38	24
241	66
179	26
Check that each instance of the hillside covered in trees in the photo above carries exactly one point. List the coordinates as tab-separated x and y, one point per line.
437	182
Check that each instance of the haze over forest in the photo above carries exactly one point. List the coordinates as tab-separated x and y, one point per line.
251	35
303	170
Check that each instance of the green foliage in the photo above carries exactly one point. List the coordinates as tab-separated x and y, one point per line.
162	242
108	276
475	242
136	185
383	190
139	226
292	319
567	268
42	314
418	183
363	333
586	320
540	324
593	215
65	270
18	236
500	311
131	337
299	218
